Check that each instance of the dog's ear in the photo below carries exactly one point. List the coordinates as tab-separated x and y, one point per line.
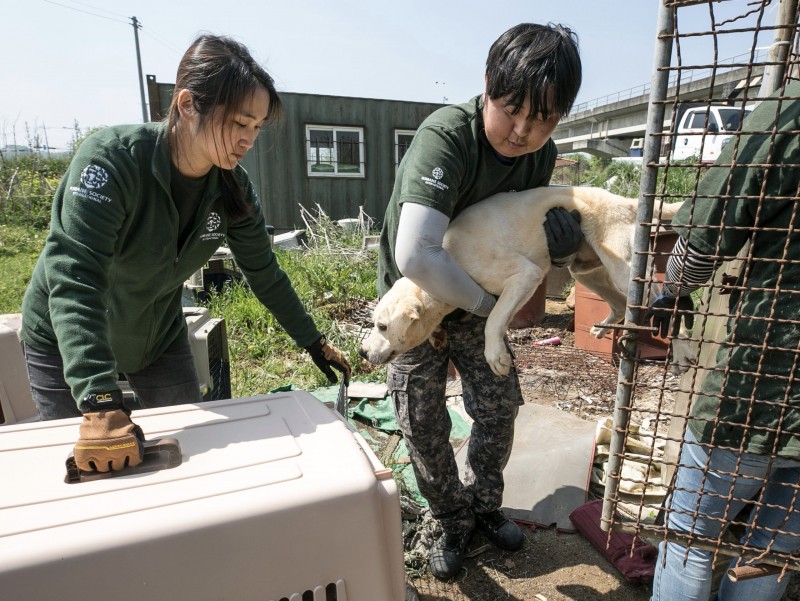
438	338
411	313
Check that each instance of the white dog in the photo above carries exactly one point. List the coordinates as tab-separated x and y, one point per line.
501	244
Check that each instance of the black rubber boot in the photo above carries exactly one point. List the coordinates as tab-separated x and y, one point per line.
501	531
447	553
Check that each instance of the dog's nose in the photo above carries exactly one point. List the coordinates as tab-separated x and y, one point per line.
362	353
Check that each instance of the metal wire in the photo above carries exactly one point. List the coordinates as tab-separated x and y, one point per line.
641	393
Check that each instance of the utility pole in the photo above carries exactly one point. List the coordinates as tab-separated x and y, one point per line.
444	98
775	72
136	27
46	141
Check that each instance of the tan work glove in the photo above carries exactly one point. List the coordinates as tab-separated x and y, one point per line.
108	441
326	356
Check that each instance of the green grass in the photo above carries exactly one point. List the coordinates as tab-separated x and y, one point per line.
332	281
19	248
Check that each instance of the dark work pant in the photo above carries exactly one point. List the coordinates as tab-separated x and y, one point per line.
169	380
417	381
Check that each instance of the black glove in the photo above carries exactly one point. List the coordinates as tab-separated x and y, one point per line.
662	309
564	235
326	356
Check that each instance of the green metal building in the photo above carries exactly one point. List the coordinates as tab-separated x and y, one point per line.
333	152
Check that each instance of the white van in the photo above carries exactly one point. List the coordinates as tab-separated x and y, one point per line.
693	131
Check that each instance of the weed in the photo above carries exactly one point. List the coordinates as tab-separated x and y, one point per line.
332	277
19	248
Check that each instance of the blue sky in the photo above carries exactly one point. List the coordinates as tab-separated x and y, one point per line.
68	60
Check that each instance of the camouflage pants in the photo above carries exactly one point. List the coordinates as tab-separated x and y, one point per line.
417	381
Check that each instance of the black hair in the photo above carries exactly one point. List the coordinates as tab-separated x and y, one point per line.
536	62
220	72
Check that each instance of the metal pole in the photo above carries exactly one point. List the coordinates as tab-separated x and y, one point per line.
46	141
774	74
641	242
136	27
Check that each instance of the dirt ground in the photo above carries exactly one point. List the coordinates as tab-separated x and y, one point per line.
553	565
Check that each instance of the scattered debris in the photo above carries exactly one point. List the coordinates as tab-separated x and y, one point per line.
367	390
419	532
294	240
478	550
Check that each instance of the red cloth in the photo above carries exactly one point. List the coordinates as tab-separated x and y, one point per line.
637	566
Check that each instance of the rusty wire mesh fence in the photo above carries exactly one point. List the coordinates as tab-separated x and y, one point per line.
729	138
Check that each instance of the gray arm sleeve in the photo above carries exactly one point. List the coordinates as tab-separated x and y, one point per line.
421	258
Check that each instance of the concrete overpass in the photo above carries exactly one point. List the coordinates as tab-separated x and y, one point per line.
607	126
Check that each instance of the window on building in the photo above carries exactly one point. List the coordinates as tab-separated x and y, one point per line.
402	140
335	151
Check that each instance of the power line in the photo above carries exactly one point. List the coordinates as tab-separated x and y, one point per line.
110	12
122	19
158	39
84	11
136	26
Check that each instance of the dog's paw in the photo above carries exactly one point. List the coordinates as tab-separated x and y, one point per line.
500	361
605	327
438	338
683	357
599	332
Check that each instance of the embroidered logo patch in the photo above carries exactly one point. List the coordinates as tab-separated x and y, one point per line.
94	177
213	221
438	174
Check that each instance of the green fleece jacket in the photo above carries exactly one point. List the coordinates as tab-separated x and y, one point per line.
106	290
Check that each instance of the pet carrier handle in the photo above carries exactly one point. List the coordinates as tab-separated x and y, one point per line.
159	454
341	398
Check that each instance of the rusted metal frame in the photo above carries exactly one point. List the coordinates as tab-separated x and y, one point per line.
716	422
623	408
681	68
644	215
748	572
690	538
776	563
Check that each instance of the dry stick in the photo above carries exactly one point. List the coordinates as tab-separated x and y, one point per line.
10	188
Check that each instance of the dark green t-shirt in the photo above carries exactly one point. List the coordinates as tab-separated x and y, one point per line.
187	194
757	360
449	166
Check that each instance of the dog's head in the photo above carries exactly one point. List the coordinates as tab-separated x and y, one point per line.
404	318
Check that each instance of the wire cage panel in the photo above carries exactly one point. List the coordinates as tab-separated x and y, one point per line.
710	457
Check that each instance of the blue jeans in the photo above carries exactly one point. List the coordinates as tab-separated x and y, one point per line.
685	574
169	380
